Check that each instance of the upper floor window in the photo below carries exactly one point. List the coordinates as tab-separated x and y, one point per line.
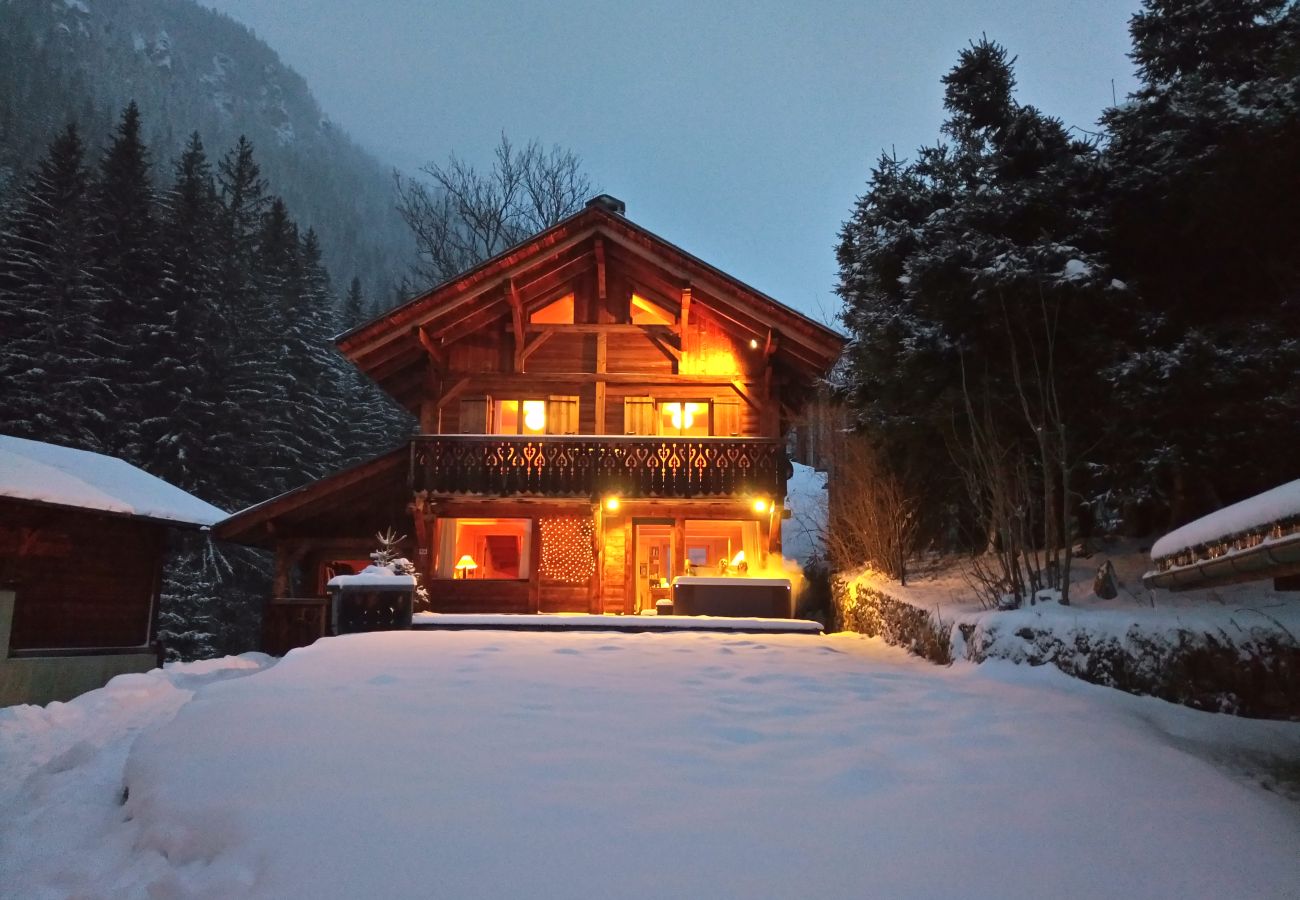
520	417
557	312
688	418
682	418
557	414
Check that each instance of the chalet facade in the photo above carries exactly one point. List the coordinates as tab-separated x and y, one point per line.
598	411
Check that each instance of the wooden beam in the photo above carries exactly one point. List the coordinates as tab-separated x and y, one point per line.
436	353
769	346
686	307
521	358
453	392
747	395
602	328
602	361
517	320
668	350
551	279
600	268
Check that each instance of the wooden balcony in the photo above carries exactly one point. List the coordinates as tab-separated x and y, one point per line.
597	465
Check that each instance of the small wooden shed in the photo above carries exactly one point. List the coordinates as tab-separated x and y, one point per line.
82	541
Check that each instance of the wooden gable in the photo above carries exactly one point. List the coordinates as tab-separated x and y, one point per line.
499	317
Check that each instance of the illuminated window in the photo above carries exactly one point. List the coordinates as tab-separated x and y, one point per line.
684	418
520	417
647	312
480	549
557	312
711	541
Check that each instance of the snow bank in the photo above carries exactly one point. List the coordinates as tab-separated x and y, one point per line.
1282	502
475	764
47	473
61	774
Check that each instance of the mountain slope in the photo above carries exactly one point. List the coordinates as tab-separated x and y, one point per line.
191	68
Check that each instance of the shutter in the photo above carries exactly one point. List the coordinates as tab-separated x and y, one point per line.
639	415
562	415
726	415
475	415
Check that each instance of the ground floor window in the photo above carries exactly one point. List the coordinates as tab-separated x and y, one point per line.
721	545
483	548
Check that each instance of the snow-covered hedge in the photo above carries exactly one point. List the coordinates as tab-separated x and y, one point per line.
1253	672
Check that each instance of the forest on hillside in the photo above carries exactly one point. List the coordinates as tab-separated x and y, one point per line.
1057	333
190	68
174	315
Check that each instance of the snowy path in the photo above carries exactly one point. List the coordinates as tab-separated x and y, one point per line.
462	764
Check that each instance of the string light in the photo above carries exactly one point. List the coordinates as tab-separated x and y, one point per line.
567	551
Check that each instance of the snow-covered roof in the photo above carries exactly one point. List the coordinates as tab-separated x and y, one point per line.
47	473
1253	513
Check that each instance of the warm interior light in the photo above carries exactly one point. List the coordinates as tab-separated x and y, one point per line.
675	411
611	504
535	416
753	343
760	505
738	559
466	565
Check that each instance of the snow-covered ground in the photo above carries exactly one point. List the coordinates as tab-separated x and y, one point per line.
941	588
487	764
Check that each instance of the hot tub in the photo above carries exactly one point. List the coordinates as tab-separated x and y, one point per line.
698	595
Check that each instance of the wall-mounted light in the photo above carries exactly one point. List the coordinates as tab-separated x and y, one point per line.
760	505
753	343
611	503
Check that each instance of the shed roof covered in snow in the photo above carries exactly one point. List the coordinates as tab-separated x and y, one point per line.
1254	539
61	476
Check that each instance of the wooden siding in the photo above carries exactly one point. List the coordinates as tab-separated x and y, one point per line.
470	596
81	579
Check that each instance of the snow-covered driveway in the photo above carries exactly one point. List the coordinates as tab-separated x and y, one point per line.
476	764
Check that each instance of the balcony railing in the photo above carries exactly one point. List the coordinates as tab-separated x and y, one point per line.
598	465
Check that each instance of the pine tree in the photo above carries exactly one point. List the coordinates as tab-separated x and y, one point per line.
182	397
50	306
960	271
1203	224
137	330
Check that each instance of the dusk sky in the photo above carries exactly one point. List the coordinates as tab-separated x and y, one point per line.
741	131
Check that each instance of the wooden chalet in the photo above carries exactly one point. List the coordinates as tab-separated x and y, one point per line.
598	409
82	542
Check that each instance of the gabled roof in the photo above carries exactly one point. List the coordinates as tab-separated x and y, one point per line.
392	348
361	499
78	479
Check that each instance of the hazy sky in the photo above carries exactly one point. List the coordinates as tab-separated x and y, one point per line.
741	131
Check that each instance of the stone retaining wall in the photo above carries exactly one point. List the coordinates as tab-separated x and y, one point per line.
1253	673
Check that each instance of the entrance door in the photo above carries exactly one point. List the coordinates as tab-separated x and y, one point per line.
653	572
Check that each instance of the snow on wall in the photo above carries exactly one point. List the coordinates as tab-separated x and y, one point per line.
1281	502
47	473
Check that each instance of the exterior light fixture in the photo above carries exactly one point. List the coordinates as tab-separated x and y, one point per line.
465	565
760	505
753	343
611	503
